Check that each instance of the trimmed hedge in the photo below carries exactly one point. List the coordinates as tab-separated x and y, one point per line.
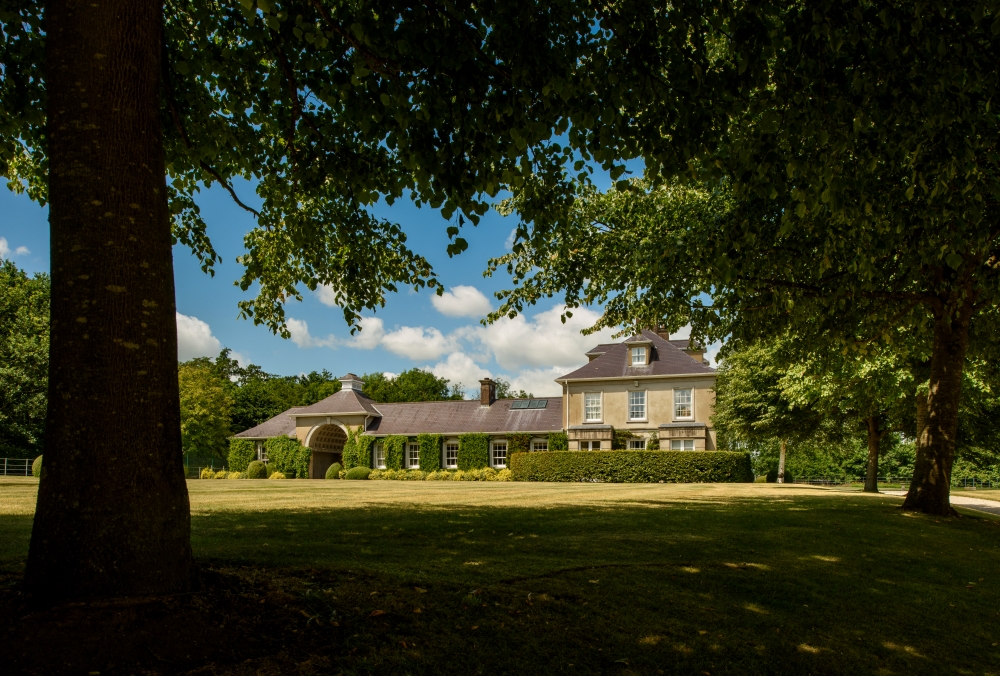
288	456
394	446
430	451
334	471
256	470
558	441
473	450
358	473
36	468
518	442
633	466
241	453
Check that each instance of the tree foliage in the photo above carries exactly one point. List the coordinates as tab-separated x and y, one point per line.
24	360
205	413
411	385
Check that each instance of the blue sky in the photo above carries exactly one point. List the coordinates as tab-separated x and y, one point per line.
413	330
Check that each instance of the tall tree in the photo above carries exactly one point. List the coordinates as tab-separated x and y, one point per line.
205	412
411	385
24	360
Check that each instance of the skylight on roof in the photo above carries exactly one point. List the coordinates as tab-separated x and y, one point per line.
520	404
538	403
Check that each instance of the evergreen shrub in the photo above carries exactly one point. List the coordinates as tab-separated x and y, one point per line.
430	451
236	475
36	468
357	473
358	449
221	474
633	466
653	442
256	470
558	441
277	475
207	473
619	439
241	453
473	451
772	477
334	471
761	479
288	456
394	447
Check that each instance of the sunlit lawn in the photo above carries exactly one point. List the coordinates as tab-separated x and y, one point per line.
534	578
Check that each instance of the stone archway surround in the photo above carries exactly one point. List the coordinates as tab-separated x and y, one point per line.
327	445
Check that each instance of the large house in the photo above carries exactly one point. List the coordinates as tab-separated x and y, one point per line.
647	384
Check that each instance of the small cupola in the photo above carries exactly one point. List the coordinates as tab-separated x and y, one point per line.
352	382
640	350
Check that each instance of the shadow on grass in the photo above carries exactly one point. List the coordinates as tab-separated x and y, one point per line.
827	584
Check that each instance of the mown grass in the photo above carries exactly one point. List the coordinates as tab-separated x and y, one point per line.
536	578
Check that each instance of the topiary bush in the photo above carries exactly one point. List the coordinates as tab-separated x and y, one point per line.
357	473
256	470
473	451
772	477
634	466
241	453
558	441
334	471
430	451
394	446
36	468
288	456
761	479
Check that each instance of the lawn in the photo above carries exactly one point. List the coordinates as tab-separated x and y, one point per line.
463	577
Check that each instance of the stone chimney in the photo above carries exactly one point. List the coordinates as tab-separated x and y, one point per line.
487	392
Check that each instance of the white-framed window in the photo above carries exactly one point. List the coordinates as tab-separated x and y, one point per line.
590	445
638	356
540	445
413	456
451	454
637	405
379	456
636	444
499	454
592	406
683	404
261	451
682	444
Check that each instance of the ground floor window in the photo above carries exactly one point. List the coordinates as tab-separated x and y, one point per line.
451	454
413	456
540	445
590	445
379	456
499	454
636	444
261	451
682	445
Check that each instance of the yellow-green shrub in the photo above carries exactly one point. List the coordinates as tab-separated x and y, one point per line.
207	473
505	475
277	475
236	475
221	474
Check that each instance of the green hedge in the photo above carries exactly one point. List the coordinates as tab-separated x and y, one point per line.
558	441
473	451
394	447
518	442
241	453
288	456
358	473
633	466
430	451
358	449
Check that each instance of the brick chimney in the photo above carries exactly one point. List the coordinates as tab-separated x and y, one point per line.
661	332
487	392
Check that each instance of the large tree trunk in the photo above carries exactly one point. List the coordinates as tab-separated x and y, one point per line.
874	441
937	428
781	462
113	517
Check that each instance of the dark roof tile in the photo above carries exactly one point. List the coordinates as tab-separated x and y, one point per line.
280	425
665	359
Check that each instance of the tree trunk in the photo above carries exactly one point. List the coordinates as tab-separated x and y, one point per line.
113	517
938	425
781	462
874	441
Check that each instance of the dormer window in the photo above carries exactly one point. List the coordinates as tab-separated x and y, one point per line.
638	356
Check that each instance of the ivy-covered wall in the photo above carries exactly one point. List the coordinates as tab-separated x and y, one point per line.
395	448
430	451
473	451
241	453
288	456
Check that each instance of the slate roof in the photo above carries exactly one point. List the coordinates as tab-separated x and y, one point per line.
460	417
345	402
280	425
666	359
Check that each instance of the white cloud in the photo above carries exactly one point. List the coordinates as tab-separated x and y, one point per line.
390	375
299	330
543	340
539	382
462	301
22	251
461	369
509	244
418	343
369	337
326	296
4	247
194	337
712	354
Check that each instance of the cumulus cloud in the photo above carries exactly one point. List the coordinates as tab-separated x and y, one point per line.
462	301
369	337
461	369
509	243
195	339
4	247
542	340
418	343
326	296
22	251
539	382
299	330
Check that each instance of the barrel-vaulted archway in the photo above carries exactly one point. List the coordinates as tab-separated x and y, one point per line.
327	445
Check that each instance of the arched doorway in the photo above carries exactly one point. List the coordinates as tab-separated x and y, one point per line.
327	445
